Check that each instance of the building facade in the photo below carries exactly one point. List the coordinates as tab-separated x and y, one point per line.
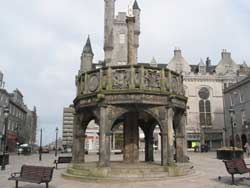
19	129
204	84
237	99
68	121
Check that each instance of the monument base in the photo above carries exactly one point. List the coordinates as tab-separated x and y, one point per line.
123	172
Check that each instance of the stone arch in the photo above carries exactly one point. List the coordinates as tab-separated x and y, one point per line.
243	140
238	140
120	111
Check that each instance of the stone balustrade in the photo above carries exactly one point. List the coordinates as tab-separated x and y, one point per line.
129	78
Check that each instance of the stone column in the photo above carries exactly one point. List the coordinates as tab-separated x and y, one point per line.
131	40
167	139
180	138
131	138
78	154
149	144
149	148
104	139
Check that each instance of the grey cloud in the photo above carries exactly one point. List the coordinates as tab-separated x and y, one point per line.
41	42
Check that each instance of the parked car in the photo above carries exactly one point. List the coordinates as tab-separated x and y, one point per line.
45	150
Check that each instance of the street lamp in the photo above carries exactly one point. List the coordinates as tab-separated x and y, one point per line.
56	141
6	115
231	112
40	148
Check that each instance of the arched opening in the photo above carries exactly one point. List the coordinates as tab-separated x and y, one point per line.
237	141
139	135
243	141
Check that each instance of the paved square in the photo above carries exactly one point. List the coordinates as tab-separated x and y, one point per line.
207	168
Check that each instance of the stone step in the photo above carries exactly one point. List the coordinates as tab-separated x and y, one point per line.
78	172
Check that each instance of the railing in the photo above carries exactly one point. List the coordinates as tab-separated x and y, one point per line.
129	78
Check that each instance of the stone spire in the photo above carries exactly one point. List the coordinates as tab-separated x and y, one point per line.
87	57
87	48
135	6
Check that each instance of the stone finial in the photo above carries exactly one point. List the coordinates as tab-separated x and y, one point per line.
153	62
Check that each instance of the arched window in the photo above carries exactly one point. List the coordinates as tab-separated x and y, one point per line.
205	107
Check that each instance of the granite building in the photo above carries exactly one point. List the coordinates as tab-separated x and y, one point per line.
22	122
68	120
237	99
204	84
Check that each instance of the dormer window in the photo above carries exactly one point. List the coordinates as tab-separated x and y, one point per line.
202	67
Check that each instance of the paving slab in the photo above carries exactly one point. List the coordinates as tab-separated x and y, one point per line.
207	169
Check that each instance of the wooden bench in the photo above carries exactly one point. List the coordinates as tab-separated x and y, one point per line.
63	159
236	166
33	174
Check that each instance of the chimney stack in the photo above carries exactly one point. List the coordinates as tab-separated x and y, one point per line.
225	54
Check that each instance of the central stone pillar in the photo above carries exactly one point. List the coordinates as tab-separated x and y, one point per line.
104	139
131	40
131	138
149	143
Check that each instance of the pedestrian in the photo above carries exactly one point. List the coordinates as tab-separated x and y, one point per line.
247	147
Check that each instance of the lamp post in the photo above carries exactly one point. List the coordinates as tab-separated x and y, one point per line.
56	141
231	112
40	148
6	115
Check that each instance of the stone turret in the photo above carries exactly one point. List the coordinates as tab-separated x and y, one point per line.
226	64
109	14
87	57
137	13
178	63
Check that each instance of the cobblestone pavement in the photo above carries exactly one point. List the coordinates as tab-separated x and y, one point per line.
207	168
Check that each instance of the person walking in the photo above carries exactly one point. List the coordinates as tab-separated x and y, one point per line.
247	147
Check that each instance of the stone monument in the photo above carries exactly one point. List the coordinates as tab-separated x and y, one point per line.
134	95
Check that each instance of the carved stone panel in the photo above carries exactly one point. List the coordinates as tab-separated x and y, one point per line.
120	79
174	84
93	82
152	79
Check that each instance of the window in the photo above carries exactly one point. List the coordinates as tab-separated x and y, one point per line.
241	98
122	38
231	100
243	117
205	107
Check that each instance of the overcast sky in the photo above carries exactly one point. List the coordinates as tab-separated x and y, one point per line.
41	42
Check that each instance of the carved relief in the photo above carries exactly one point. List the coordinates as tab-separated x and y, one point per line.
137	78
93	82
120	79
152	79
174	81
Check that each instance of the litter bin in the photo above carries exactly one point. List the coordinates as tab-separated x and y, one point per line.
204	148
6	159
